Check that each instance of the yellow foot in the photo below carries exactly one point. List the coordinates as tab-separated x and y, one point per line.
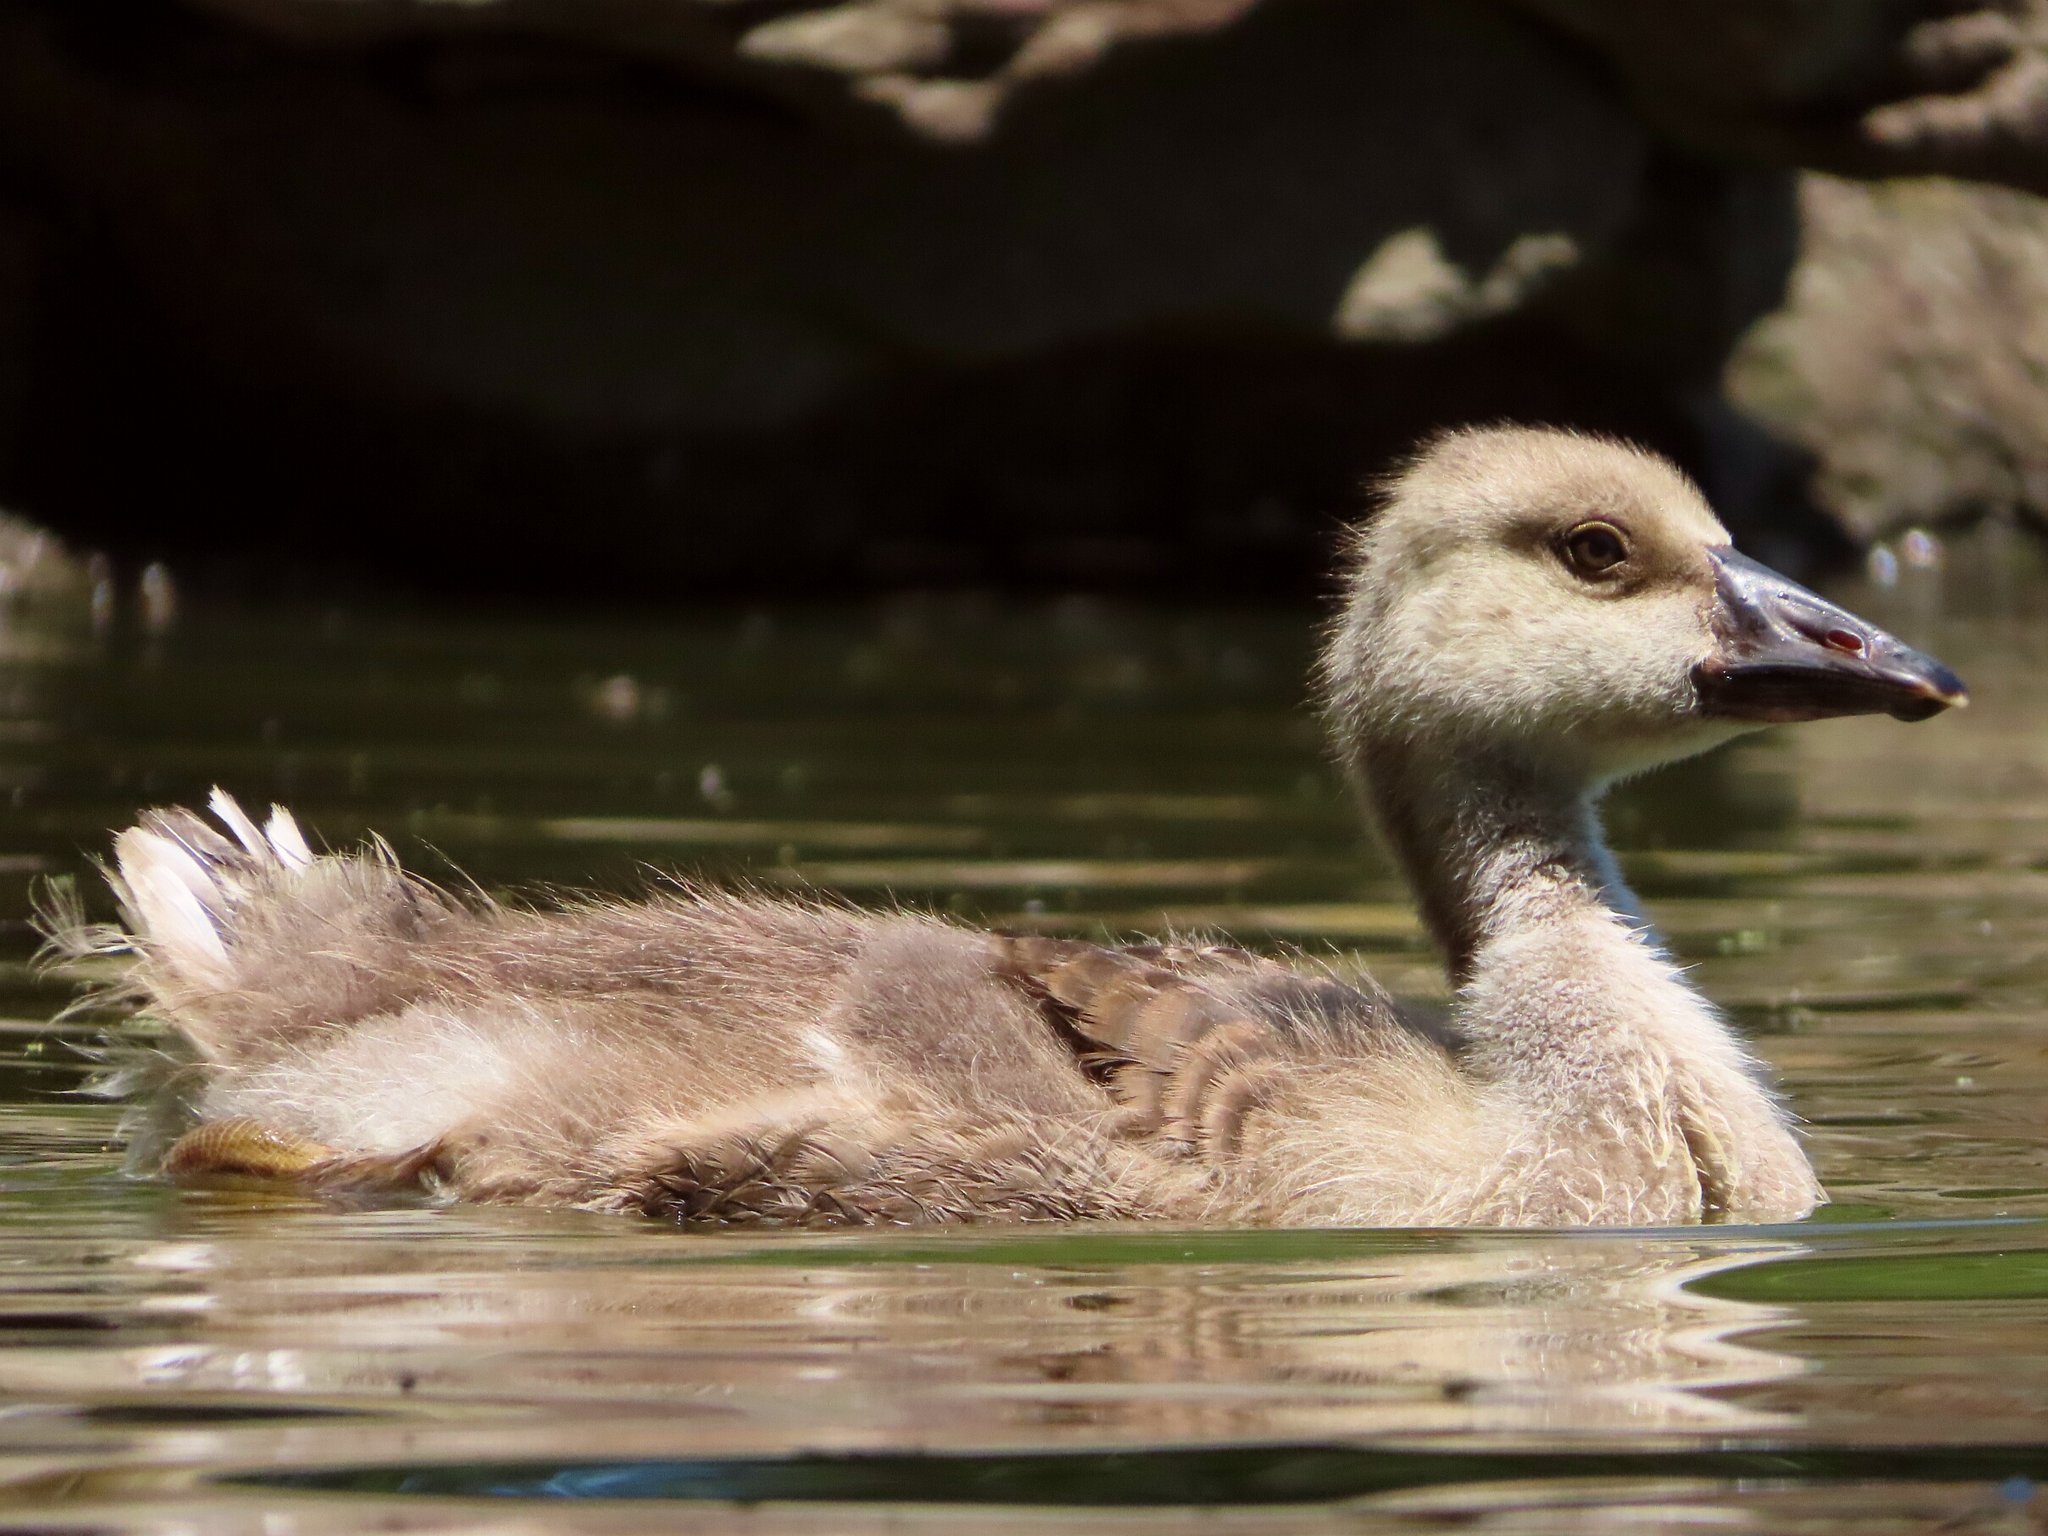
251	1149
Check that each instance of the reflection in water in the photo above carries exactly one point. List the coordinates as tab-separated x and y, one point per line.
1555	1336
549	1343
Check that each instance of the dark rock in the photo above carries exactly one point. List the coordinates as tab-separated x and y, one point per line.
681	292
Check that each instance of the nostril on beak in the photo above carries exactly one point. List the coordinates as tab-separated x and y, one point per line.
1848	643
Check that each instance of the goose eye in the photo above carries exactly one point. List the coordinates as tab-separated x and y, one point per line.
1593	549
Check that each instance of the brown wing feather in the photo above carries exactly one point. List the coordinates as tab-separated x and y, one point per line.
1184	1035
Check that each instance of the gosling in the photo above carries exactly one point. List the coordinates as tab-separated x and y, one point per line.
1529	617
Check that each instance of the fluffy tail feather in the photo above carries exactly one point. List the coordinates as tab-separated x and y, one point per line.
243	938
180	883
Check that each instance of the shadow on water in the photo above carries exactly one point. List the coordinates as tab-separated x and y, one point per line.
1261	1474
1871	903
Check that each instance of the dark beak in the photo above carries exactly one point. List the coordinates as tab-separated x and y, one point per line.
1783	653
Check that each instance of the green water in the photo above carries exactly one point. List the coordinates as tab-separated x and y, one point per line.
1867	899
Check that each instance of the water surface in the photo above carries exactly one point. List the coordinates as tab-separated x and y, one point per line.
1867	899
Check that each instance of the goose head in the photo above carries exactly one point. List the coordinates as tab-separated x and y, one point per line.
1570	607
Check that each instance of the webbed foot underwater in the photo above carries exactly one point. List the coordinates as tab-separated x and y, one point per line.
1528	617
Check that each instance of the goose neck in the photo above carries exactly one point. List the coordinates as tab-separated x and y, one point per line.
1494	847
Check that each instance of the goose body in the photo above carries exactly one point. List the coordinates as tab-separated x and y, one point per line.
1529	616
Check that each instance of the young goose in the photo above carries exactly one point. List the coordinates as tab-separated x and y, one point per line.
1529	617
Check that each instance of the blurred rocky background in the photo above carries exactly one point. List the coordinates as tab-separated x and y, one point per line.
1911	357
656	296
